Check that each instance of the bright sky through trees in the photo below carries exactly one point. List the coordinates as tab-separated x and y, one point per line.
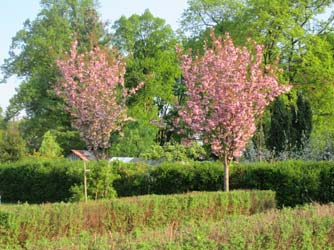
13	13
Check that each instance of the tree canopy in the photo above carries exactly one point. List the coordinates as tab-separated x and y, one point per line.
33	54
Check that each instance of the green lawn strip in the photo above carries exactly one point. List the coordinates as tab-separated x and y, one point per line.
23	224
308	227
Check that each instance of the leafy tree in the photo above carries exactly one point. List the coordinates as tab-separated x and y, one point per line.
315	77
175	152
49	147
227	90
149	47
292	30
138	135
280	130
291	125
33	53
68	140
100	180
2	120
12	145
302	125
93	89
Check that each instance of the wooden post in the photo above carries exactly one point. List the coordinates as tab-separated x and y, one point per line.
85	182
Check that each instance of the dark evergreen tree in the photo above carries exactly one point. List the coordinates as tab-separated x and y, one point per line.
302	125
280	130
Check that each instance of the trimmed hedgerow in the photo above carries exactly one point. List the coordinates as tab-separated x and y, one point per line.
32	223
37	181
295	182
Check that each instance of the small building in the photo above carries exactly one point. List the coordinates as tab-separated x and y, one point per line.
86	155
83	155
135	159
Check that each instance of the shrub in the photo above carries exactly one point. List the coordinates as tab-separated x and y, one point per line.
295	182
37	180
28	224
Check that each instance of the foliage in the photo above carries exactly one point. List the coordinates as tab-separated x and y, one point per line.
308	227
297	31
93	89
12	145
28	225
302	123
227	90
137	136
295	182
290	127
280	128
68	140
100	178
32	57
175	152
49	147
37	180
149	46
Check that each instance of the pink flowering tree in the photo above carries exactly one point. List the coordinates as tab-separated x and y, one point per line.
227	89
92	86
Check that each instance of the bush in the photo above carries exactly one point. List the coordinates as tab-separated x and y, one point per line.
38	180
168	178
28	224
310	227
295	182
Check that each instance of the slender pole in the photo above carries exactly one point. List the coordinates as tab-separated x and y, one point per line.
226	175
85	182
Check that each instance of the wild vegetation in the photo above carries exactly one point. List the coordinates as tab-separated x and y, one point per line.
240	97
293	36
24	224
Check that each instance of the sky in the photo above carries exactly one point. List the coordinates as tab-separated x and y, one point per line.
13	13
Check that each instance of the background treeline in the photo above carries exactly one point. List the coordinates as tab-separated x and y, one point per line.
38	181
294	34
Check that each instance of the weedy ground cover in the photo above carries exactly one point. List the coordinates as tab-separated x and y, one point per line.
31	225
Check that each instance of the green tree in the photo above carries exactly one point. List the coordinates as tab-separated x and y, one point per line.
280	129
292	31
33	55
12	145
49	147
302	125
149	47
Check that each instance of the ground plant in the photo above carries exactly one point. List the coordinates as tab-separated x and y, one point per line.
25	225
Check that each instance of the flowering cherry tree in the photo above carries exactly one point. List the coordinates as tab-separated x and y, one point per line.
93	89
227	88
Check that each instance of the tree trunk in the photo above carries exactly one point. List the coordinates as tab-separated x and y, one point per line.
226	174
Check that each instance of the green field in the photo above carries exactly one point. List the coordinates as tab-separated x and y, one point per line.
197	220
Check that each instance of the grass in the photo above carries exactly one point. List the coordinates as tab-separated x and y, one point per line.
309	227
33	225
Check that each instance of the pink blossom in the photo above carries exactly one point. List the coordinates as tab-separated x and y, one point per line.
227	89
90	88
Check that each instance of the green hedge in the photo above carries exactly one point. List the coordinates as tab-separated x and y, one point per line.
310	227
37	181
295	182
22	224
168	178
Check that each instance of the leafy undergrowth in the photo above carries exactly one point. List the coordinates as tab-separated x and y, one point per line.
309	227
67	225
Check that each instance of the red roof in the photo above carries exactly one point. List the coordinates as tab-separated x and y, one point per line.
83	154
